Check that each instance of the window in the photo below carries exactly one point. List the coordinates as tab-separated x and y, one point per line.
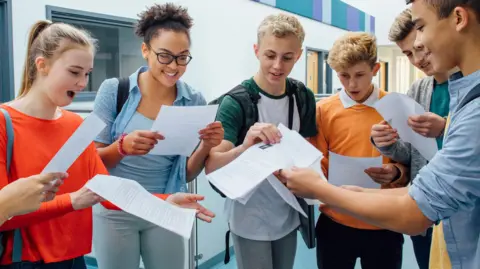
319	73
118	53
7	91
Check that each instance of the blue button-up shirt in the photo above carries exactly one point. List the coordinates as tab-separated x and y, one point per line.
105	108
448	187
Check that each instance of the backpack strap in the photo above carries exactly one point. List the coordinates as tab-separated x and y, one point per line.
10	137
471	95
248	102
17	236
123	92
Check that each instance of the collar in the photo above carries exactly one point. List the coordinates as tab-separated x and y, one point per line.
349	102
183	90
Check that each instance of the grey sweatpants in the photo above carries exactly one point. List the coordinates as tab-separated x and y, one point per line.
119	239
278	254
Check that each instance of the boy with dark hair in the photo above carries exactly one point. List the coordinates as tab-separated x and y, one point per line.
448	187
432	93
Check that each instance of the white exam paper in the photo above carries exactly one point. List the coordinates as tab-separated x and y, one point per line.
75	145
286	194
131	197
246	172
180	126
396	108
239	179
343	170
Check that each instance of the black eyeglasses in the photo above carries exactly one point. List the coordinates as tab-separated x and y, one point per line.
167	58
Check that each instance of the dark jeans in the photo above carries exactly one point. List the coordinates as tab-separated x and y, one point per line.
339	247
77	263
421	247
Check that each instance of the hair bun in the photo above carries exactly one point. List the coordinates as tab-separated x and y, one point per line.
162	13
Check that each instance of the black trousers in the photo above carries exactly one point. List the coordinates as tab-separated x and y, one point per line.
421	247
339	247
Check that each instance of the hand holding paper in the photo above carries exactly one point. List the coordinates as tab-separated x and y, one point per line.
212	135
383	134
428	124
397	108
384	174
240	178
301	181
140	142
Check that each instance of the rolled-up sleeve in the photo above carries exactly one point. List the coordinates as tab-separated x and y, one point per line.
451	181
105	107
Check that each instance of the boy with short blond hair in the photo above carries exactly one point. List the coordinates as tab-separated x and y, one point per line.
344	121
264	230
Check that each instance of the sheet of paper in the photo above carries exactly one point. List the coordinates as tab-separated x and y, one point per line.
238	178
301	152
75	145
244	199
396	108
345	170
180	126
286	194
131	197
317	166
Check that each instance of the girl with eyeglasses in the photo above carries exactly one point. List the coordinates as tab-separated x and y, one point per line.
120	239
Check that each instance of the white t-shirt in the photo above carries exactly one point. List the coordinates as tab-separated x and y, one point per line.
266	216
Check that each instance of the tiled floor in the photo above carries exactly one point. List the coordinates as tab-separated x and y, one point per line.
305	258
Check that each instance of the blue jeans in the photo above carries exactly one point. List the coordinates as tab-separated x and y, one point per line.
77	263
421	247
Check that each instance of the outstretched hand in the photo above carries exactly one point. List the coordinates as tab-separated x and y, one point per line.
189	200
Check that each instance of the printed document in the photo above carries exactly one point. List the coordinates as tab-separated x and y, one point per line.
343	170
75	145
239	179
396	108
131	197
180	126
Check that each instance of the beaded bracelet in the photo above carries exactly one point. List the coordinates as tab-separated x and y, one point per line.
120	145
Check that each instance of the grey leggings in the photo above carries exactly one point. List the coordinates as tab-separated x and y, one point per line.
252	254
119	239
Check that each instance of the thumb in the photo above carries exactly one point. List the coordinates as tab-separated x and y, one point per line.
49	177
295	168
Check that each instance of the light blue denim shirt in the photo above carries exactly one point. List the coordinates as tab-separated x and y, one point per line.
448	187
105	108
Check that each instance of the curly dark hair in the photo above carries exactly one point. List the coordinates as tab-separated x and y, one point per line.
163	17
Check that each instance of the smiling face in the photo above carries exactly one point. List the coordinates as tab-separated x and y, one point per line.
277	56
161	52
64	77
416	55
440	36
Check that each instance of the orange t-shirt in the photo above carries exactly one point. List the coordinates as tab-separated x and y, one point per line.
346	131
55	232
